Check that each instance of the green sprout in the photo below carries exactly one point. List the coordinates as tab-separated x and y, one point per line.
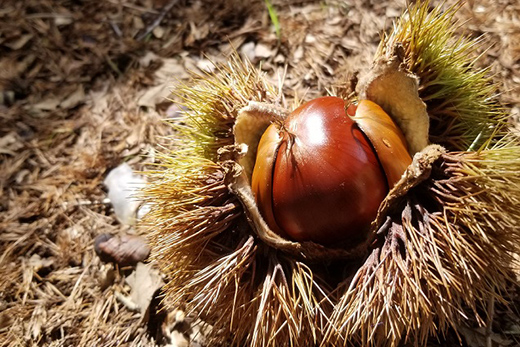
274	18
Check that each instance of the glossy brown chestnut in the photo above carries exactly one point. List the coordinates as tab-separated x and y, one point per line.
317	177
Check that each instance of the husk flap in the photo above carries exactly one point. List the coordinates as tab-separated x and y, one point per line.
250	124
389	85
418	171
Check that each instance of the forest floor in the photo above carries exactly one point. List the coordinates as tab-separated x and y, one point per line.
83	88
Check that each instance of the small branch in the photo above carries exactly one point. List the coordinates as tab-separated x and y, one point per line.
68	204
127	302
116	29
157	20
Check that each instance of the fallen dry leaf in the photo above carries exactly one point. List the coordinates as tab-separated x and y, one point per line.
124	250
49	104
10	143
5	319
263	51
74	99
20	42
144	282
155	95
38	263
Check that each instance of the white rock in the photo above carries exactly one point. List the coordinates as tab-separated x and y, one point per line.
122	186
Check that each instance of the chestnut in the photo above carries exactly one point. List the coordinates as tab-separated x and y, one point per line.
321	173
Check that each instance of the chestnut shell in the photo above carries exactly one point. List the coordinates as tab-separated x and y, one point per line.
317	177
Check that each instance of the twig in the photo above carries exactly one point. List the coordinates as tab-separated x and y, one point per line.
116	29
127	302
157	20
67	204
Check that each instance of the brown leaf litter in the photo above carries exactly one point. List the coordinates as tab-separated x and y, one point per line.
80	94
